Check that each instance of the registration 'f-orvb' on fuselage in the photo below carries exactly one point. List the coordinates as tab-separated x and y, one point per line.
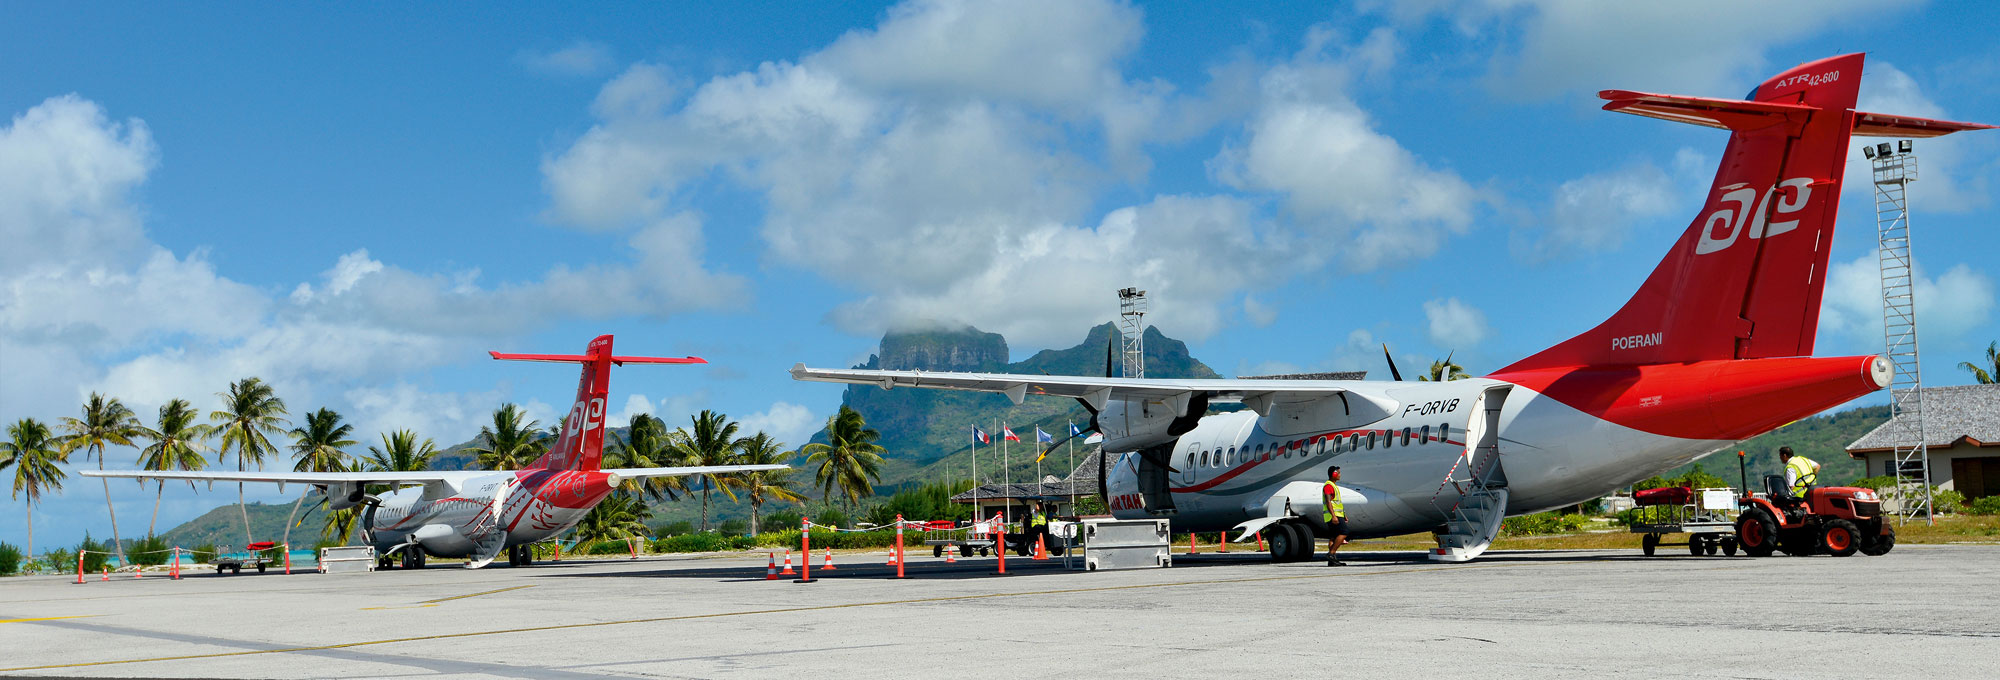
479	514
1714	348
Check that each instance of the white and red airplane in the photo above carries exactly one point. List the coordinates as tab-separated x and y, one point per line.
477	514
1714	348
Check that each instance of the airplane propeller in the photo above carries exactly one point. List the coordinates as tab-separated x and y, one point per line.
1393	373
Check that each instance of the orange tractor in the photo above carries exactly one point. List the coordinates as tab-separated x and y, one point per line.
1836	520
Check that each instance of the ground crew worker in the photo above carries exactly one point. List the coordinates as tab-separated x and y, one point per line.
1038	525
1800	472
1336	516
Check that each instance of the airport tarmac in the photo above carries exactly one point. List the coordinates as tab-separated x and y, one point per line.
1919	612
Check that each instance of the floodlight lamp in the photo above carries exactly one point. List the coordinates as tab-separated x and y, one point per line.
1868	151
1882	148
1905	146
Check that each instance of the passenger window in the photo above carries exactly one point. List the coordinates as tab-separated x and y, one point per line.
1229	457
1406	436
1371	440
1427	434
1444	432
1232	453
1320	448
1388	438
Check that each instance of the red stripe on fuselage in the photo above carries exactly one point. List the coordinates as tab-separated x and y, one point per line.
1241	468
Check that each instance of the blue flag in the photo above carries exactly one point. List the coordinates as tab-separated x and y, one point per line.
1073	432
1042	437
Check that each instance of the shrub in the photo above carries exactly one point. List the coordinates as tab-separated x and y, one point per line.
677	528
61	560
780	519
1988	505
606	547
10	559
1876	482
734	526
1947	501
1542	523
1628	517
95	555
149	551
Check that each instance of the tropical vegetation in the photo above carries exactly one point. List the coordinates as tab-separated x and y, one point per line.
711	442
1443	370
510	443
1988	372
850	461
251	412
105	422
34	456
765	485
320	446
178	442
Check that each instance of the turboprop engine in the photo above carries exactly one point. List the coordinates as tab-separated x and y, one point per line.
342	495
1135	425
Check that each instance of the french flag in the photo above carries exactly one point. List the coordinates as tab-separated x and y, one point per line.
979	436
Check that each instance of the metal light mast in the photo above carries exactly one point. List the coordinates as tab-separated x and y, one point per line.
1131	327
1895	169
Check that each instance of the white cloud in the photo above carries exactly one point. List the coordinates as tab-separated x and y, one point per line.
1260	314
580	59
635	404
1596	212
1948	306
1453	324
1701	47
1949	172
789	423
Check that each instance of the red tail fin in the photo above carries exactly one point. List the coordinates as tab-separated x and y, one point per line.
581	446
1744	281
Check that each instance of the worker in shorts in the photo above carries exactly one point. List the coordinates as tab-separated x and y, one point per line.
1336	516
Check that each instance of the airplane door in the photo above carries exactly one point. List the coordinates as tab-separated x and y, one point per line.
1188	463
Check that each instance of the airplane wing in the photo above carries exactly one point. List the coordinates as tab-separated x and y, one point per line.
636	473
1258	394
287	477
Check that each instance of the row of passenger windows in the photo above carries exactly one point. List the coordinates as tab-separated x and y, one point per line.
1336	444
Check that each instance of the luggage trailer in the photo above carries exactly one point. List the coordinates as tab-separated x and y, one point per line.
1707	516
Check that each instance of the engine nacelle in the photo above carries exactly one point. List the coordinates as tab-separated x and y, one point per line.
343	495
1134	425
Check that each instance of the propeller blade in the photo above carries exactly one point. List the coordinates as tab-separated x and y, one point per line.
1103	488
1393	373
1110	350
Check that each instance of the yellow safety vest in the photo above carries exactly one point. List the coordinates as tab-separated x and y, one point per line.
1037	519
1334	506
1804	473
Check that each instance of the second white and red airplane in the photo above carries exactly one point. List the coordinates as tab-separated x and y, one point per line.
1714	348
478	514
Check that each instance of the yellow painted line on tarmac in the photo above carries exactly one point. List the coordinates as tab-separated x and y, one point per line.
787	610
412	606
461	597
49	618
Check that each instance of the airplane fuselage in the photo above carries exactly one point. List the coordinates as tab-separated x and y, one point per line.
1582	434
451	520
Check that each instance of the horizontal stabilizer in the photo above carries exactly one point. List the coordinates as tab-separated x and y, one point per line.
1885	125
1727	114
578	358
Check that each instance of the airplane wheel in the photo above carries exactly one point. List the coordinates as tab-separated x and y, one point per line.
1283	543
1302	541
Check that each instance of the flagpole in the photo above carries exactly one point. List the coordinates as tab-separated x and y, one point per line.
1069	445
975	472
1006	470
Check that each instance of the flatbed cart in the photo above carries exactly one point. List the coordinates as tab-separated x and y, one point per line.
1707	516
970	537
253	557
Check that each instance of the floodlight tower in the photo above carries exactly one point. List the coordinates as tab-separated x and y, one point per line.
1895	169
1131	326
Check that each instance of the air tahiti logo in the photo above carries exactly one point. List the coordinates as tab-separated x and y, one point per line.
1722	227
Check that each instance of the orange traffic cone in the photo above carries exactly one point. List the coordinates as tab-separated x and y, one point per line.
892	557
771	569
950	554
1041	549
788	565
107	574
175	571
828	565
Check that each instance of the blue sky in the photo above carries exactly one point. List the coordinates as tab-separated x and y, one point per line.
356	203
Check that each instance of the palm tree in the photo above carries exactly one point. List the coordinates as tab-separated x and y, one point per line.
850	458
105	422
647	444
34	455
619	516
1443	370
177	445
1990	373
318	447
765	485
250	413
400	452
508	444
713	441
